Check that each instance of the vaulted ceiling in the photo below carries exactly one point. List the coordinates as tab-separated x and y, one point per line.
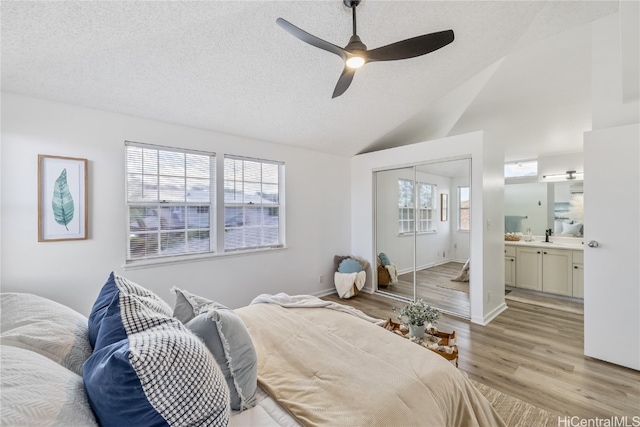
520	69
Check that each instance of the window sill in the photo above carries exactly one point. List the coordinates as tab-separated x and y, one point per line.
183	259
418	233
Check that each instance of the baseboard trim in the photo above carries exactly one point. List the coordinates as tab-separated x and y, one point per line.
490	316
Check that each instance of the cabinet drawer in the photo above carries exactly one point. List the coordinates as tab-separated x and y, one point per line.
510	250
578	257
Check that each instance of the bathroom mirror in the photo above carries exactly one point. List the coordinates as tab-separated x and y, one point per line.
540	206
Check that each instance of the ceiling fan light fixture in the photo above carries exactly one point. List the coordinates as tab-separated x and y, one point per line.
355	62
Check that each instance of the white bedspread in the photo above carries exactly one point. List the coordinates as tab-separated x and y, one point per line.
310	301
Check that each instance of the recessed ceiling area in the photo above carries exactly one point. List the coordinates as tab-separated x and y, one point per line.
517	69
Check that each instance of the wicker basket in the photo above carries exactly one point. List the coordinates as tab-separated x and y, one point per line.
384	278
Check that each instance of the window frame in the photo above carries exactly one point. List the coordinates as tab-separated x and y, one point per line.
412	216
216	215
247	206
461	209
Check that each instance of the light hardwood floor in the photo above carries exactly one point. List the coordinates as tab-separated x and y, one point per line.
429	286
535	354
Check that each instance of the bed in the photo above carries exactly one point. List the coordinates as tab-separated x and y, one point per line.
281	361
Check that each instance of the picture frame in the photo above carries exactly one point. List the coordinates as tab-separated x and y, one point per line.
62	198
444	207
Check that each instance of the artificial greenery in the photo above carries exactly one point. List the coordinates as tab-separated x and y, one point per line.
418	313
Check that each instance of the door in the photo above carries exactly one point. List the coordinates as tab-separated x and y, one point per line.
529	268
611	271
557	277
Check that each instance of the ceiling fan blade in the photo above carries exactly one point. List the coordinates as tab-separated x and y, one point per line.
410	48
310	38
344	81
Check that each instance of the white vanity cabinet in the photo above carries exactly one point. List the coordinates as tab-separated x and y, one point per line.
557	272
509	265
529	268
545	269
578	274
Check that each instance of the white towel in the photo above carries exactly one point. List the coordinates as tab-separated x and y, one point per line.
393	272
344	283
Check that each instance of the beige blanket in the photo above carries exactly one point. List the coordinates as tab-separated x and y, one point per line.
329	368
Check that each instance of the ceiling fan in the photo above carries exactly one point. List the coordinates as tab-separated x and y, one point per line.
355	53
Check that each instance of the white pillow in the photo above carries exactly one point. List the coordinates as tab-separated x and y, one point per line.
572	229
46	327
36	391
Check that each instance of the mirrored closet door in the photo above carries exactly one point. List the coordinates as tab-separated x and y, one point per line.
422	233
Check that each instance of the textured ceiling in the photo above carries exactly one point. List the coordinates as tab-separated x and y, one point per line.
226	66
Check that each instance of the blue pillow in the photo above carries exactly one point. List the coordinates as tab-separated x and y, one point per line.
159	373
106	324
349	265
384	259
157	377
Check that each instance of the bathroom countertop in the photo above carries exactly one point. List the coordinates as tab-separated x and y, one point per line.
557	244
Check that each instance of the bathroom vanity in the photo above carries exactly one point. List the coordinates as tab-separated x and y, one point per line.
556	267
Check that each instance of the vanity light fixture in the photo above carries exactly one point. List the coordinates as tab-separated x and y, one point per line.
568	175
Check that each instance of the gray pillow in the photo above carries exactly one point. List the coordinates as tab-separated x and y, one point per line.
227	338
189	305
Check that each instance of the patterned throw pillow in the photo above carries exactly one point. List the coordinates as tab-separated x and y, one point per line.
159	374
106	318
228	339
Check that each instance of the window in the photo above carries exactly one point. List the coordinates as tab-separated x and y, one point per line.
521	169
251	203
463	208
169	198
426	206
172	209
407	210
405	206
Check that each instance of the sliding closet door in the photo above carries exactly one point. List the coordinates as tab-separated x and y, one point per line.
395	231
442	242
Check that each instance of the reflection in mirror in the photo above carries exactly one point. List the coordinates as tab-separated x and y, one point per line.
540	206
419	249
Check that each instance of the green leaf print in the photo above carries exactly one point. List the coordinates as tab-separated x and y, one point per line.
62	203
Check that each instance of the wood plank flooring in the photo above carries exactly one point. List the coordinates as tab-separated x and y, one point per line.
427	281
534	354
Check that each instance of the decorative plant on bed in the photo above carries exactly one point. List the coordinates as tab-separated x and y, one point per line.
416	315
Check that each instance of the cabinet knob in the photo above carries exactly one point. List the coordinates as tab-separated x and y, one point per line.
545	252
538	251
575	266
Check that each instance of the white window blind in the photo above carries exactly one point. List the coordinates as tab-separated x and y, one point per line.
252	213
170	201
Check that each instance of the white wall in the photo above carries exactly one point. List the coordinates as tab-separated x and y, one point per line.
487	209
317	210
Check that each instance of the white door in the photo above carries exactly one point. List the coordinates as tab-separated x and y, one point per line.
611	270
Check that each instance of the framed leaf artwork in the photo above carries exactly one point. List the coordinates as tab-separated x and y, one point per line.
62	198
